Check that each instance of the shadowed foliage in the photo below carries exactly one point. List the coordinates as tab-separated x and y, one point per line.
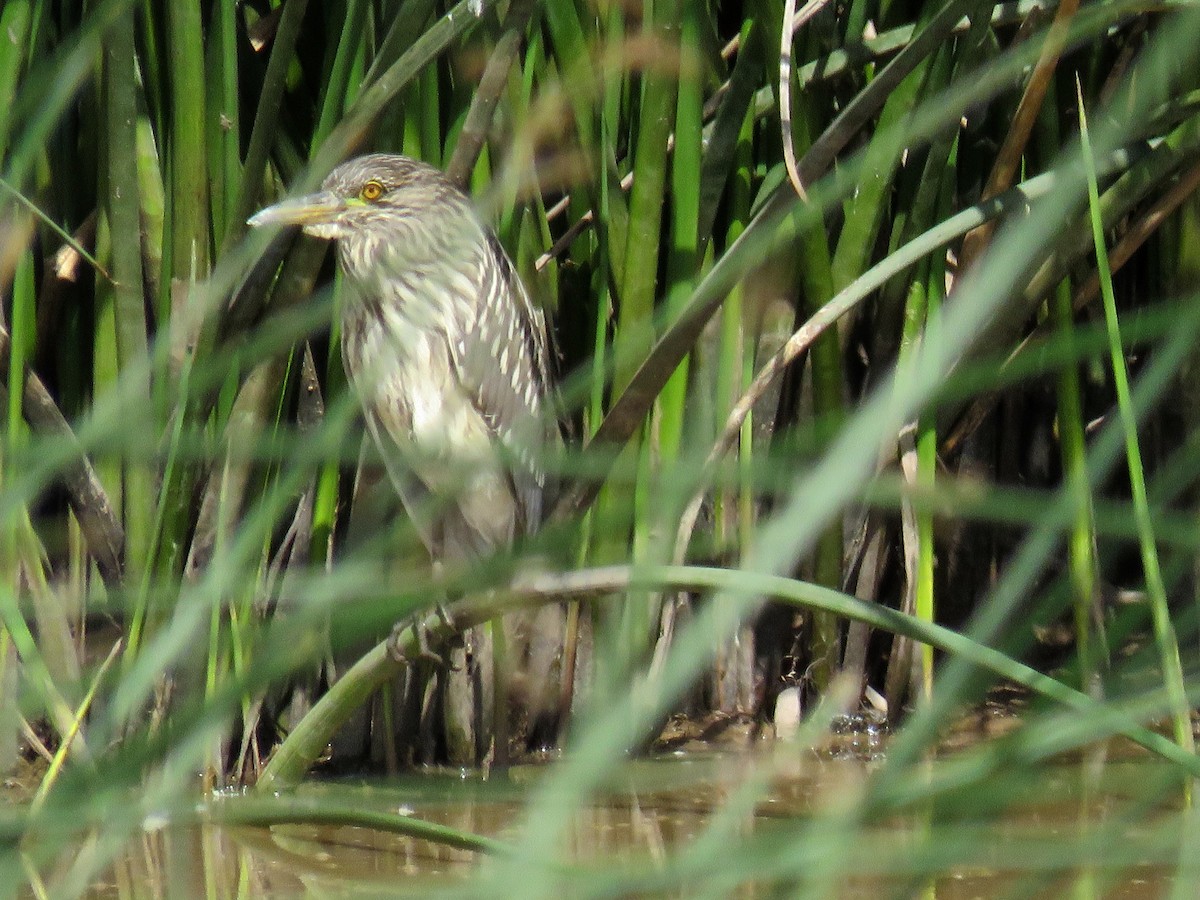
880	398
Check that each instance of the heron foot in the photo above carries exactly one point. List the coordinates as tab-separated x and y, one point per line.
426	639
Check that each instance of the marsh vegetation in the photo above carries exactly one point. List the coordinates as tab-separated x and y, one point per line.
877	327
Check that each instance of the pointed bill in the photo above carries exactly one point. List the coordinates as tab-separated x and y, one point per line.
321	208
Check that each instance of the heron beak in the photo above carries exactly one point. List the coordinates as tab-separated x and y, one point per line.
322	208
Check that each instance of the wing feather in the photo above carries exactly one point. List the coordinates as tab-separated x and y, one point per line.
503	362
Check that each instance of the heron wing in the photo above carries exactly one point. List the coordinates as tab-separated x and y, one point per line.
504	365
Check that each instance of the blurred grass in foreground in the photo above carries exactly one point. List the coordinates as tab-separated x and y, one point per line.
870	387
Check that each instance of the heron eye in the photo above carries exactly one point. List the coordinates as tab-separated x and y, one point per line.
371	191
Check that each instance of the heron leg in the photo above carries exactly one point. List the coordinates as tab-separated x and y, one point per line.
427	640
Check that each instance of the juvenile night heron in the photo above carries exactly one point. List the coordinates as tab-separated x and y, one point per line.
452	365
440	341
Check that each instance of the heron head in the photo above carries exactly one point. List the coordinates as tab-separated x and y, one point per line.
362	198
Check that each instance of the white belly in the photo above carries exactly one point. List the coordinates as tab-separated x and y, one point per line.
426	426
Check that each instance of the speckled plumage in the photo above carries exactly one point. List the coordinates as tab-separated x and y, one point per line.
443	346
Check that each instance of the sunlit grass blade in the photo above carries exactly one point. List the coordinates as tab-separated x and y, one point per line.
1164	630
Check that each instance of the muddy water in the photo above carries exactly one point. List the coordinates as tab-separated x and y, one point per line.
659	805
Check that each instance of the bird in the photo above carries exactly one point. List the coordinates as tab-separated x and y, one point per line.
449	357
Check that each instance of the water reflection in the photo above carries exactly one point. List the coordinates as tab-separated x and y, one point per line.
661	819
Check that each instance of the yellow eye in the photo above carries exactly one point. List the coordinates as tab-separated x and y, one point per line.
371	191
